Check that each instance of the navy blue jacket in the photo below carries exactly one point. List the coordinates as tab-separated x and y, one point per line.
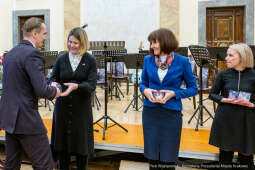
179	71
23	83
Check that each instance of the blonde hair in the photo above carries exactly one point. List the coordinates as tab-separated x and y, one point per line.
245	54
80	35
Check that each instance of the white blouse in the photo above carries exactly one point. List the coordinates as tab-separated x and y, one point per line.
74	60
162	73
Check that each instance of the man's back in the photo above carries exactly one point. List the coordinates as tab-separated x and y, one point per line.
23	84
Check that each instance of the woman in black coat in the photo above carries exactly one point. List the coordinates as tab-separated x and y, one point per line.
234	123
72	131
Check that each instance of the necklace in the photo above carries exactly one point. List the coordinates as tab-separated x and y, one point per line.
166	64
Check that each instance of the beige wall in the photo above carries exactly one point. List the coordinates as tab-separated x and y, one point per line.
56	20
71	17
182	18
188	32
6	25
169	15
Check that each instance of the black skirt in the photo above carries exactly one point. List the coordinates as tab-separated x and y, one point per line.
233	129
162	133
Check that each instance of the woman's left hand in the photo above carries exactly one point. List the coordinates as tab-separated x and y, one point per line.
71	87
168	95
243	103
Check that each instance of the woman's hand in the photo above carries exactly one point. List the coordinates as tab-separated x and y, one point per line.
168	95
148	93
238	101
243	102
71	87
227	100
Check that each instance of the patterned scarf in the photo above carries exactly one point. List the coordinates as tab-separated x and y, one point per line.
165	64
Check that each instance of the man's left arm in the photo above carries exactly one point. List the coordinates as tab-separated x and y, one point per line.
34	67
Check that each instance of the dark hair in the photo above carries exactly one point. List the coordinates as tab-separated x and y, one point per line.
31	24
80	35
166	39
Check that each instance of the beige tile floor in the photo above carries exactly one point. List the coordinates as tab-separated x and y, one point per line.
116	111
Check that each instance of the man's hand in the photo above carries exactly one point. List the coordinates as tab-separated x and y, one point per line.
58	93
54	84
71	87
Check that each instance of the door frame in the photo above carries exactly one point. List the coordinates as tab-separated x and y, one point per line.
18	13
248	18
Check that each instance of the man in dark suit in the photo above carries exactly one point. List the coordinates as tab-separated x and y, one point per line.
23	84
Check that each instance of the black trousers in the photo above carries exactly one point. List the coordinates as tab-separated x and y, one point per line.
64	161
245	162
158	165
36	147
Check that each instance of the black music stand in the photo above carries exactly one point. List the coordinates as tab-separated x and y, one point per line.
202	59
117	56
145	52
134	61
49	60
107	46
100	65
218	53
182	51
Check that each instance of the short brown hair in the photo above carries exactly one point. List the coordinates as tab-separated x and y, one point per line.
166	38
31	24
245	54
80	35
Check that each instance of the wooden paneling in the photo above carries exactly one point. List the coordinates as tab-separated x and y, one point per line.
224	26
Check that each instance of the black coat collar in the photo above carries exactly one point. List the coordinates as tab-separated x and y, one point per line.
26	42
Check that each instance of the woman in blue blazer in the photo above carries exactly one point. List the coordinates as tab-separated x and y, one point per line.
163	73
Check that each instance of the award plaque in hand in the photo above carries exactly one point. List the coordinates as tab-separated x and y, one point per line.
59	87
158	96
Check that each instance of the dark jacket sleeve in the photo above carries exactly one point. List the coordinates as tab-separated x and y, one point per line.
90	84
145	79
217	88
34	69
190	81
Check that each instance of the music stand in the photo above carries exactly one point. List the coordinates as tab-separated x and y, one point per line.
218	53
114	56
182	51
106	46
202	59
145	52
49	60
117	56
134	61
100	65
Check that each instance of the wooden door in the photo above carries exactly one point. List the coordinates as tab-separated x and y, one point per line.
224	26
22	20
